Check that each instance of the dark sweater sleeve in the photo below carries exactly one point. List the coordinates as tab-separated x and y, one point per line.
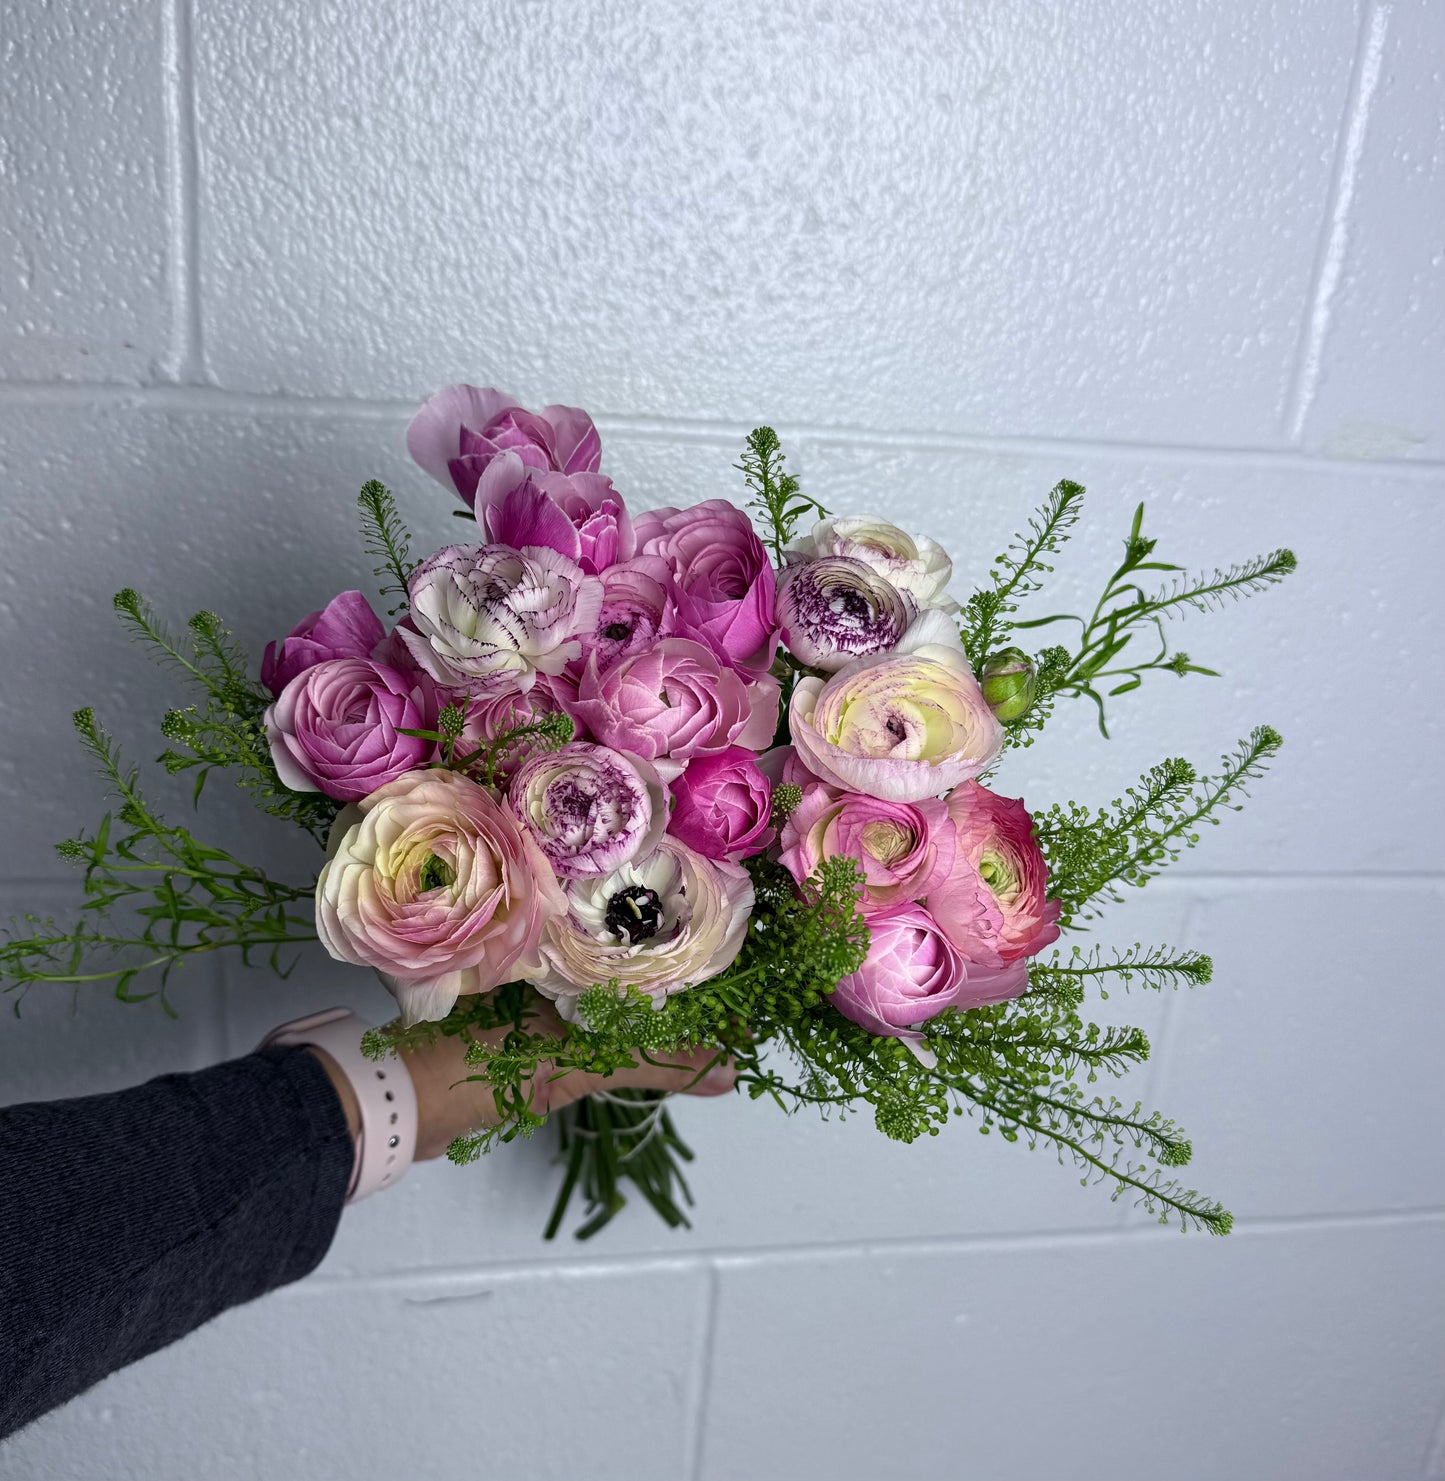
128	1220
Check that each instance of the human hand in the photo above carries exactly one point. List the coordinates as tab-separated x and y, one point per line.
450	1105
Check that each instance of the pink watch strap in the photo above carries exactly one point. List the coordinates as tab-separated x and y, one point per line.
384	1093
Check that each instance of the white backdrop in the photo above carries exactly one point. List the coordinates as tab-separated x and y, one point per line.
954	252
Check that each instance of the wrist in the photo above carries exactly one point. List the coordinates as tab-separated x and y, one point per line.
350	1106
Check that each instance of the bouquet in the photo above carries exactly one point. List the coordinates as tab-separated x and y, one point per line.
620	783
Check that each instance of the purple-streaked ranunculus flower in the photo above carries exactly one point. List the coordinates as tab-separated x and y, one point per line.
436	885
912	563
899	726
589	808
994	900
337	728
579	515
721	805
492	617
912	973
658	924
671	703
462	428
837	609
726	586
345	627
904	848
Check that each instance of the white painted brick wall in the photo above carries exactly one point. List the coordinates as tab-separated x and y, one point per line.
955	251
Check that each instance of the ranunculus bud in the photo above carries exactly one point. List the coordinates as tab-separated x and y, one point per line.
1009	684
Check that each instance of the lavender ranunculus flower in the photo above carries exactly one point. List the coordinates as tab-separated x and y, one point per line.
462	428
494	617
911	974
337	728
345	627
658	924
721	806
589	808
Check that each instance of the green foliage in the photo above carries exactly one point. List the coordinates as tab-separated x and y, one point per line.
1100	667
224	731
1092	855
776	495
1018	572
488	762
1153	967
186	898
387	539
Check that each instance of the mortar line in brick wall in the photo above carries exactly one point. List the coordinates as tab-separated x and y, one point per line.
185	362
700	1384
435	1279
217	401
1329	263
1434	1464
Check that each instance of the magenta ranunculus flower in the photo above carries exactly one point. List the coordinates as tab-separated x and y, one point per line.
638	609
462	428
492	617
671	703
435	884
345	627
726	586
994	901
589	808
911	974
721	805
903	726
905	848
337	728
579	515
656	925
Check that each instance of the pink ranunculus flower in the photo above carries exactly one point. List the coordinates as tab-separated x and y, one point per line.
489	616
994	901
721	805
345	627
579	515
669	704
462	428
589	808
912	973
638	608
658	925
726	586
904	848
436	885
490	714
902	726
338	726
912	563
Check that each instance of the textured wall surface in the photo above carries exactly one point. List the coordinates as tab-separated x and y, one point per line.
954	251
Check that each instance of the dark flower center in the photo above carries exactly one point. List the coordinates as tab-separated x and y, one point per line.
617	632
855	605
634	914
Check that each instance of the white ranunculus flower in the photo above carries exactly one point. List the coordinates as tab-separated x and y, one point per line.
492	616
913	563
658	924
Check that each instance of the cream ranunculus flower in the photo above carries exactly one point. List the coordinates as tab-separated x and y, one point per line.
658	925
438	887
900	726
912	563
